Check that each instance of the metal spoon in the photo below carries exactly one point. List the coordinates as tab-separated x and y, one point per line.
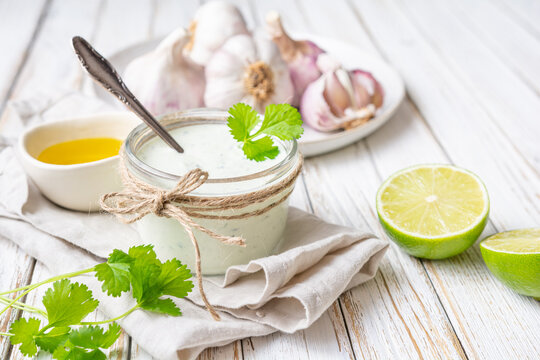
105	74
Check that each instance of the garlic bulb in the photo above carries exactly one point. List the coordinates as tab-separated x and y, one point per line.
164	80
250	70
341	99
301	56
212	25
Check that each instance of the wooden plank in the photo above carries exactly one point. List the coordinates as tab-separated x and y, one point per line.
15	266
475	303
123	23
511	104
509	41
389	316
15	270
342	187
525	12
459	123
52	65
23	16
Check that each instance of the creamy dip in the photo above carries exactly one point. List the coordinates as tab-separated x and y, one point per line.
212	148
209	147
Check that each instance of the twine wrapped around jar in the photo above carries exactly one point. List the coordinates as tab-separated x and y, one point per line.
139	198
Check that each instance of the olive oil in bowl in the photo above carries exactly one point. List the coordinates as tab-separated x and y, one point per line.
80	151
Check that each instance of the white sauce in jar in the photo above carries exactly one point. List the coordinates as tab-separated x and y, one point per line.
212	148
209	147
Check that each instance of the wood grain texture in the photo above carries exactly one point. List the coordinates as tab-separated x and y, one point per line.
477	305
506	37
15	266
471	70
525	12
15	270
23	16
342	187
511	104
51	65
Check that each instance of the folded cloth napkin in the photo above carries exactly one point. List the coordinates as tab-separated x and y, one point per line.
284	292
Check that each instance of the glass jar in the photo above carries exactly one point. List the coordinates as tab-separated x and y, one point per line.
262	233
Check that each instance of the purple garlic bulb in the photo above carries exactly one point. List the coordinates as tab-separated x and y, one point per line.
300	55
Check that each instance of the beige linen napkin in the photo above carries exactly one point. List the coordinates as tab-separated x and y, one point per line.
285	292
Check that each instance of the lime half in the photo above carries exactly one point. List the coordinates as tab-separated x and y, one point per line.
514	258
433	211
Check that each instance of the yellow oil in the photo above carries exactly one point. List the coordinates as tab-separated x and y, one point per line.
80	151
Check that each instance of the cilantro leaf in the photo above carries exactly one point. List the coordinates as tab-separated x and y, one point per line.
242	121
51	340
71	352
172	279
151	279
280	120
260	149
114	274
144	253
163	306
68	303
143	275
23	331
94	337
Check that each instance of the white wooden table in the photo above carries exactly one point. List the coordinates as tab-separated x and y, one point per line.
472	71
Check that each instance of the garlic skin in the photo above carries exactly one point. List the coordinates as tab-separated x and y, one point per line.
300	55
341	99
247	69
164	80
213	23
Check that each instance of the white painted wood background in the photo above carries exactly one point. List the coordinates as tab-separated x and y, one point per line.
472	71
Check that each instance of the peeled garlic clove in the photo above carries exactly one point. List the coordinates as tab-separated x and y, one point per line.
301	56
367	89
341	99
336	95
213	23
247	69
164	80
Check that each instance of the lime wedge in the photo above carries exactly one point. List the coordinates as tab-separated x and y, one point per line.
514	258
433	211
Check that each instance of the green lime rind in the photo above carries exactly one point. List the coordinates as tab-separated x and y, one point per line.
518	271
435	248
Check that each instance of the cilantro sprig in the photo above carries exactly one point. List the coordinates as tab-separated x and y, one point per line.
280	120
63	331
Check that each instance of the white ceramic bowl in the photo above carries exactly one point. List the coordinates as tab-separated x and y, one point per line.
78	186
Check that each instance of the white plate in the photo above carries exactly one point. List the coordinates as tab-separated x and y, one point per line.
312	142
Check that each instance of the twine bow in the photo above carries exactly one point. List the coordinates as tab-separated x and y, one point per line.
140	198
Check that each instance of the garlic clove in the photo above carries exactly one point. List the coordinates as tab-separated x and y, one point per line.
247	69
164	80
213	23
367	89
336	95
300	55
341	99
315	110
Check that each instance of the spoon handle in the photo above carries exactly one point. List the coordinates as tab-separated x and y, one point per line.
105	74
